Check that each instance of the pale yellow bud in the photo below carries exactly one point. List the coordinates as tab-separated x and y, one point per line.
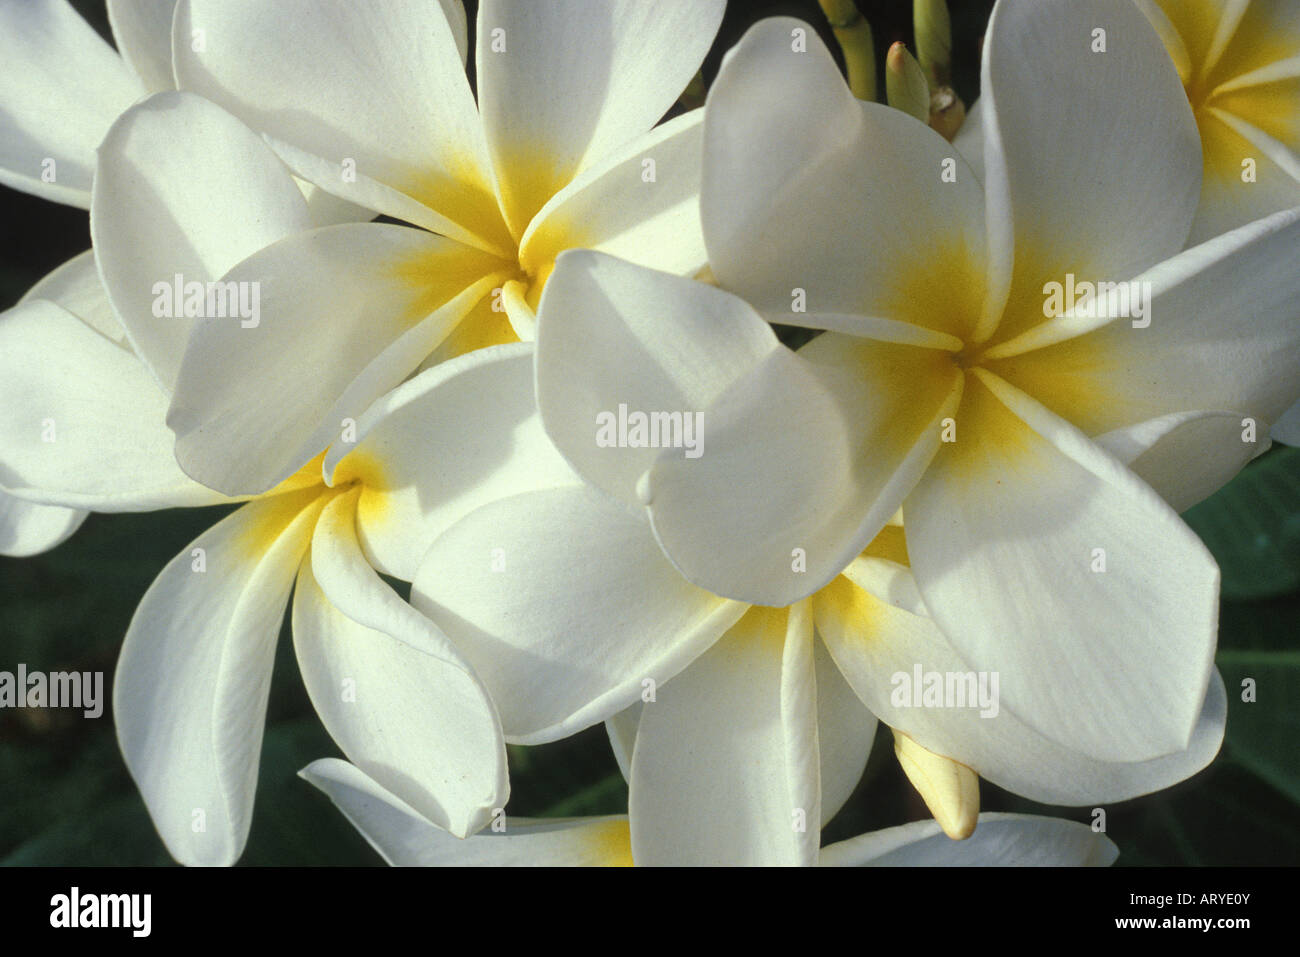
950	790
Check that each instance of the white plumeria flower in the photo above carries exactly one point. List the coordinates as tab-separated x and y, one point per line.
1240	65
372	102
754	731
61	89
192	682
404	839
1022	449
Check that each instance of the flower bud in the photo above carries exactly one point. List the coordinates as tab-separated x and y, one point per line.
933	31
905	84
950	790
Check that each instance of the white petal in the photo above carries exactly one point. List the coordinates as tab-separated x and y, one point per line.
28	529
845	733
1228	199
621	729
969	140
615	338
879	649
804	462
395	100
183	188
83	422
1104	188
142	30
640	203
813	200
76	287
189	695
389	687
725	770
405	839
344	314
564	82
1186	456
564	605
437	447
1222	332
1008	534
1000	840
62	88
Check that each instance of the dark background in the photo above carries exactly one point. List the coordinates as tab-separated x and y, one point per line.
65	796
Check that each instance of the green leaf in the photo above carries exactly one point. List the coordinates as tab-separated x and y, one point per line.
1263	736
1252	526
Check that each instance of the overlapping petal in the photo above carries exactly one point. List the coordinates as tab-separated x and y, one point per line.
62	88
878	648
190	692
481	406
345	313
405	839
182	188
390	688
860	209
1000	840
142	30
421	138
725	769
1221	334
805	461
83	421
565	82
615	338
1103	189
564	605
1022	503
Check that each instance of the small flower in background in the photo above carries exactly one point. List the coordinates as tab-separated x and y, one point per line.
1240	65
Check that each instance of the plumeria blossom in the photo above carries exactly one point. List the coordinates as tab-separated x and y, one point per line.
191	686
372	103
743	729
62	88
1240	65
405	839
1022	449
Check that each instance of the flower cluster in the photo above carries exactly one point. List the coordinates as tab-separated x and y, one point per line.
507	331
